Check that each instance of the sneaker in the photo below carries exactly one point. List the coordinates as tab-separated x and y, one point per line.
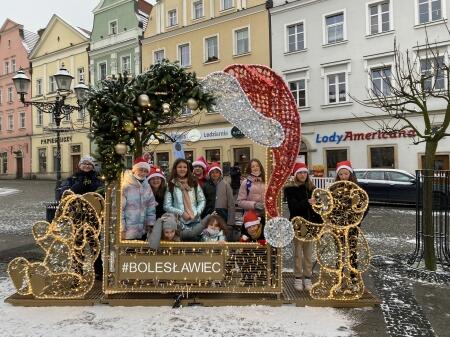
308	284
298	284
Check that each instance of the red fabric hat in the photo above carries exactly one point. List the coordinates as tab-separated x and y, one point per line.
141	163
344	165
155	171
251	218
200	161
215	166
299	167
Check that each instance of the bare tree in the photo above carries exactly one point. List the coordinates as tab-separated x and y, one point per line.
414	85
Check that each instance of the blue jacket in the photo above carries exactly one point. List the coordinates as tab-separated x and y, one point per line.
173	202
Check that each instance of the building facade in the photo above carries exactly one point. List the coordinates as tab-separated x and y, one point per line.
15	119
60	44
206	36
332	53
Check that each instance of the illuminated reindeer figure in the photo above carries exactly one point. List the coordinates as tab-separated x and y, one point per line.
339	240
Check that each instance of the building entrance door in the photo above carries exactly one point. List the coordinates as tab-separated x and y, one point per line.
75	161
19	167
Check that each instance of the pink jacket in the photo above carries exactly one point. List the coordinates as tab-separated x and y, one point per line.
248	199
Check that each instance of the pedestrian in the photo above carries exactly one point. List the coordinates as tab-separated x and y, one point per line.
298	193
215	229
200	170
138	203
252	189
83	181
252	229
219	197
185	199
235	174
157	181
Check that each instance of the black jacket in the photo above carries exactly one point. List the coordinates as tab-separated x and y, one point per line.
297	199
80	183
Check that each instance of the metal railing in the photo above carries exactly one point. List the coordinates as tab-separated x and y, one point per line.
322	182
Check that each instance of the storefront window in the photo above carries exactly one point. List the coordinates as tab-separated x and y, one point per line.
382	157
242	157
333	157
162	160
441	162
42	155
189	155
212	155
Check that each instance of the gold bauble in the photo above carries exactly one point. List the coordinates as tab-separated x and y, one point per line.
192	104
128	126
166	107
144	101
120	148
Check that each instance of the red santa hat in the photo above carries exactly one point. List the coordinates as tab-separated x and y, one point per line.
299	167
215	166
346	164
155	171
141	163
251	218
200	161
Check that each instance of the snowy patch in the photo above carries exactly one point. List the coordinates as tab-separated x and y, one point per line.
164	321
7	191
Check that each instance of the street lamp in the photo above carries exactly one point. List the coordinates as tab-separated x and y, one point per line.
58	109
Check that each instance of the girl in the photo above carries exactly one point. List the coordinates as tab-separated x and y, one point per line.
185	199
200	169
157	182
214	231
251	192
252	229
298	193
169	230
138	203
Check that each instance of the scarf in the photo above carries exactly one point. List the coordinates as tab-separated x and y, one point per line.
185	188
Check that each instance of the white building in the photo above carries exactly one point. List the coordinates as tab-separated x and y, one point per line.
327	51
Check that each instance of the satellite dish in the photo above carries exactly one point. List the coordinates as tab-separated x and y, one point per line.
193	135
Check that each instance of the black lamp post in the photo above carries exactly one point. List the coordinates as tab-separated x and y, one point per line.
58	109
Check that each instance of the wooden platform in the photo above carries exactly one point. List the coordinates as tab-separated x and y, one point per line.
290	296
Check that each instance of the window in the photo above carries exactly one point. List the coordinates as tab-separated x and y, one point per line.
81	113
398	176
382	157
172	18
333	157
375	175
334	31
296	37
241	41
211	48
212	155
4	163
381	81
10	121
102	71
184	55
298	89
379	17
433	72
1	122
40	117
185	111
10	94
22	120
197	9
51	84
226	4
1	96
42	155
6	67
158	56
55	159
113	27
189	155
39	87
162	160
80	74
126	64
13	65
429	10
337	88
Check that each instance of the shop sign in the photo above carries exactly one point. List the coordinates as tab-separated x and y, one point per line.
356	136
206	134
53	140
172	267
236	133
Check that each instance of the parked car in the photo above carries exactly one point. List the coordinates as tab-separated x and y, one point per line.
393	186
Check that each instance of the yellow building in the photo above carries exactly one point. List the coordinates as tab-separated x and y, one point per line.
59	44
206	36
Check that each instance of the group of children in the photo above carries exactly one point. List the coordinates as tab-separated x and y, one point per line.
191	205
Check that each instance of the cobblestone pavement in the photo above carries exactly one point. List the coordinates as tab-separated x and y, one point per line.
415	303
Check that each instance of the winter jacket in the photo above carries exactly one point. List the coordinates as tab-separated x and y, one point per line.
219	198
252	190
297	199
235	174
208	237
138	207
160	207
173	202
80	183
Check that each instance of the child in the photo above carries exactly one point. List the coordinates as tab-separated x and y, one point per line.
199	169
185	199
169	228
252	230
138	203
298	193
214	230
252	190
157	181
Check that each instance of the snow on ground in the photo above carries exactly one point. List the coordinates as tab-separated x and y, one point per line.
7	191
164	321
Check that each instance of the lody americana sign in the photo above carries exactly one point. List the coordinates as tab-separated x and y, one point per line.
358	136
